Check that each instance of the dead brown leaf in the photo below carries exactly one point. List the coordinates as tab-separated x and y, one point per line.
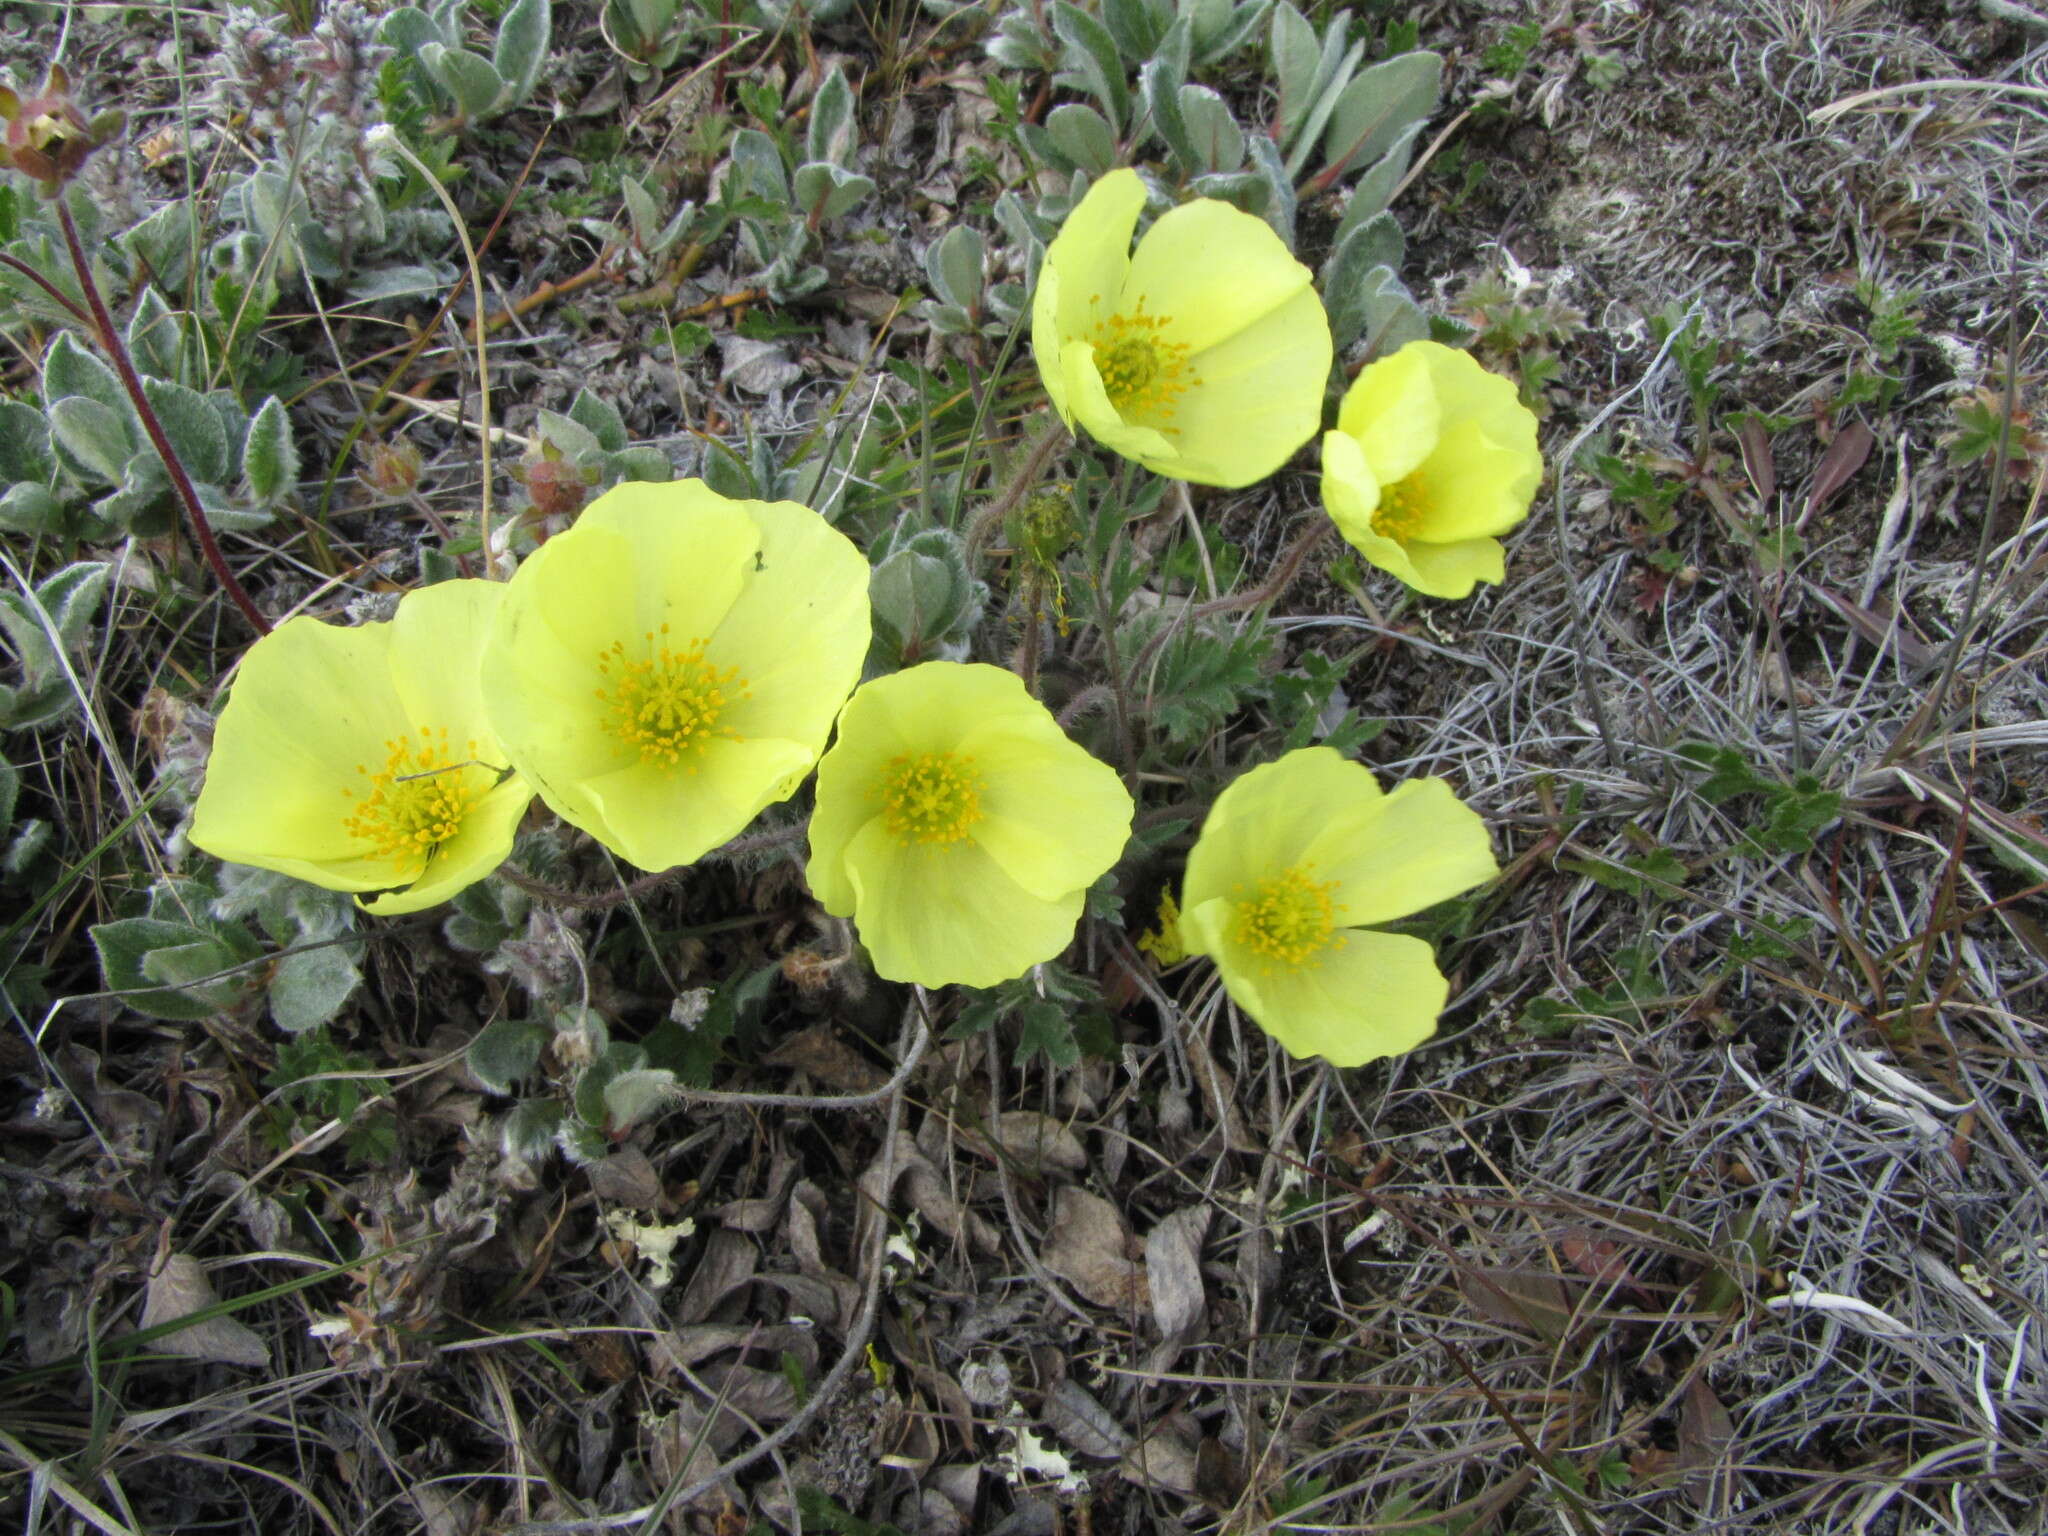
1173	1270
1090	1248
1034	1143
821	1055
178	1289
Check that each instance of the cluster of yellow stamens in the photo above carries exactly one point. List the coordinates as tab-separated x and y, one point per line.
933	797
1402	508
1142	372
1287	918
419	799
669	704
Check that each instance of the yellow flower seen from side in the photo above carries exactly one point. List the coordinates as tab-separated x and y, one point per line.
1203	355
1296	862
672	664
361	759
959	827
1432	458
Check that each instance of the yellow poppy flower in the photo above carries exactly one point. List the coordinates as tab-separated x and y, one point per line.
1203	356
1296	860
1432	457
360	759
671	664
959	827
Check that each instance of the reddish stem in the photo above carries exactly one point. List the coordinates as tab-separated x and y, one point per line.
110	343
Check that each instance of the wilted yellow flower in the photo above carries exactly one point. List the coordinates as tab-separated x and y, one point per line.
672	663
1203	356
959	827
1432	457
360	759
1297	859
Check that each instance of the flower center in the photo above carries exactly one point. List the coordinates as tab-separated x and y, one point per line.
1287	918
1142	372
934	797
1402	508
418	801
668	705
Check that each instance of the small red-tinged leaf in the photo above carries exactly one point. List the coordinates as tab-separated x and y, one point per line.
1705	1433
1758	461
1838	466
1880	629
1526	1300
1601	1258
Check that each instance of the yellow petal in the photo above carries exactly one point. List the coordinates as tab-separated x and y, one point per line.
1391	410
484	843
1210	270
1452	570
1056	818
798	631
1088	404
1471	487
311	703
1421	846
1468	392
1377	995
1257	396
1090	256
687	552
656	816
1351	493
936	914
1266	820
438	639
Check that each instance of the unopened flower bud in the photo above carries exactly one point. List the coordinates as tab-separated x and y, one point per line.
48	137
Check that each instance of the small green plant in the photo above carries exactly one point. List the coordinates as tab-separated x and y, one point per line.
1517	333
1509	54
474	87
1702	361
1794	812
317	1082
1054	1013
1894	321
1985	418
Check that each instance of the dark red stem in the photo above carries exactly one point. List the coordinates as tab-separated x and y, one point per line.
110	343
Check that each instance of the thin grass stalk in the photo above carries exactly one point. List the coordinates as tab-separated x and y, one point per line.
110	343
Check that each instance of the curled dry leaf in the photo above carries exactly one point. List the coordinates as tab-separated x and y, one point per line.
180	1288
1090	1248
1173	1268
1035	1144
1165	1461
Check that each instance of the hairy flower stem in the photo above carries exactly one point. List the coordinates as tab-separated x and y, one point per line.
110	343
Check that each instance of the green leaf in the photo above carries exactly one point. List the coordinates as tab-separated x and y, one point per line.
467	77
954	264
1212	132
138	951
310	986
68	369
33	509
164	244
1079	133
1091	61
1728	772
1797	812
521	49
505	1051
529	1130
575	442
1160	82
631	1097
1136	26
193	428
95	436
155	339
24	444
831	135
10	794
599	419
1383	102
270	459
63	609
825	191
1044	1029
